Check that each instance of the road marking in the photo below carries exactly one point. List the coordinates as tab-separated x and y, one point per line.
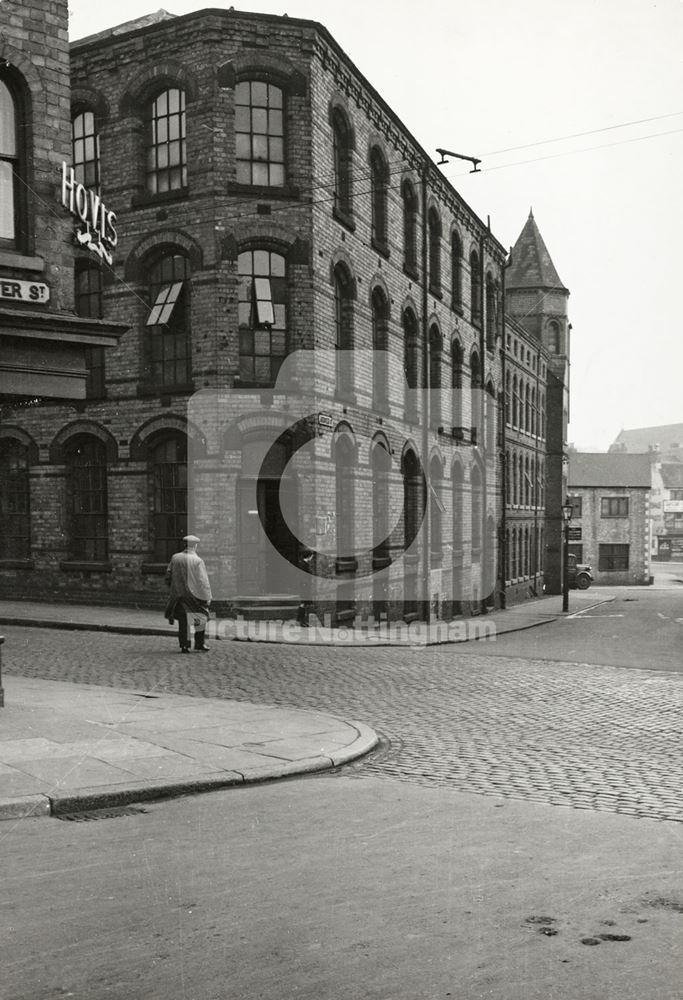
583	615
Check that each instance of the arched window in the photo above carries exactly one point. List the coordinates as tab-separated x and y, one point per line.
262	315
435	376
553	337
475	282
476	394
89	287
508	478
168	322
508	398
436	510
410	362
343	159
434	227
379	192
491	419
381	471
345	460
458	511
343	317
168	467
259	134
456	272
515	402
527	483
477	512
166	166
380	350
413	507
527	409
13	180
86	478
490	312
15	507
86	149
410	210
456	386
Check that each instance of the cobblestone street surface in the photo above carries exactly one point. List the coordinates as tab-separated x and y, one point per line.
589	737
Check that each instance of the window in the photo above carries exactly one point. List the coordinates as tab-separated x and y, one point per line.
553	337
343	315
477	512
456	384
262	314
612	558
490	312
410	362
89	303
168	321
576	549
434	376
166	144
86	150
380	348
456	272
86	471
259	134
168	460
379	190
434	226
343	152
614	507
344	458
436	510
577	507
409	227
475	279
12	197
15	509
381	470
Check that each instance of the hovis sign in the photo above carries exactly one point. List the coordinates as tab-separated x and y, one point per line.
97	231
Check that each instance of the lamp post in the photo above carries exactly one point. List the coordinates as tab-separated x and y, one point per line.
566	517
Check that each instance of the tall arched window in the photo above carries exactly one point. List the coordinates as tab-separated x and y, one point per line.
166	142
379	193
410	362
553	337
86	477
343	157
413	514
434	228
527	408
456	386
515	402
168	321
476	394
168	466
381	471
456	272
86	149
259	134
508	397
345	460
89	287
475	282
457	483
380	350
436	511
477	512
262	315
508	478
490	312
343	318
435	360
15	507
13	223
410	210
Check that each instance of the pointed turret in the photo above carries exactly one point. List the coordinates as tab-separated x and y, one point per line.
530	263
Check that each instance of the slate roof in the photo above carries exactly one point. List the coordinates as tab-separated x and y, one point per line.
640	438
672	475
530	263
607	469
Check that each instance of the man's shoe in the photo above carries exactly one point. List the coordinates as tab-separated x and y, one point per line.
202	649
184	649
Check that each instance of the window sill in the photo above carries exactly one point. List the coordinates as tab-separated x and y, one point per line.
10	258
381	562
264	191
457	308
345	565
153	569
411	270
435	290
346	396
345	218
17	564
147	198
82	566
381	246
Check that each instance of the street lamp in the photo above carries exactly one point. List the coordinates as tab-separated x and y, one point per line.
567	510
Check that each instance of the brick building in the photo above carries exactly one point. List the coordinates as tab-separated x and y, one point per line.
44	346
610	525
293	269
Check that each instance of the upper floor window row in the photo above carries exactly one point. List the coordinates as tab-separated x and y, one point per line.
13	179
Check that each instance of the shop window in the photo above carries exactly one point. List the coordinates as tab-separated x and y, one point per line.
85	143
168	462
166	143
13	180
379	194
168	320
86	475
262	314
343	160
614	507
612	558
15	510
259	134
89	288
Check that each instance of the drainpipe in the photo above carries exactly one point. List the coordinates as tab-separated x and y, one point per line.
503	451
426	360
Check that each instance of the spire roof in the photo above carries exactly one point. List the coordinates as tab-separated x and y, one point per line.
530	263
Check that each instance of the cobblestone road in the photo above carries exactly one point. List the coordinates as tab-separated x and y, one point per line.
570	734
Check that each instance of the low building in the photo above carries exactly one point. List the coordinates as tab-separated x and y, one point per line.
610	526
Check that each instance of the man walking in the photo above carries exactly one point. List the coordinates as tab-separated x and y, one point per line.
190	596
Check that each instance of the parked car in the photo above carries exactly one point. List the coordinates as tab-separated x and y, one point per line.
580	575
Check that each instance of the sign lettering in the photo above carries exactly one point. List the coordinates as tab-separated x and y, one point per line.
25	291
97	229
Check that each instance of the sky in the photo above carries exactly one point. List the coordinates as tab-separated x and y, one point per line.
507	81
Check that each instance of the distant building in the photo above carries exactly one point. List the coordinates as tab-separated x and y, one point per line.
610	526
668	539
